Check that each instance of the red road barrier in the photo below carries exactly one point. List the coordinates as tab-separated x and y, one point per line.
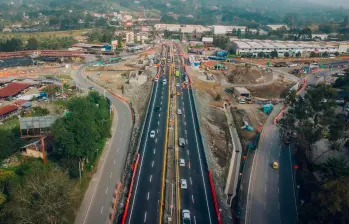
117	191
213	190
130	191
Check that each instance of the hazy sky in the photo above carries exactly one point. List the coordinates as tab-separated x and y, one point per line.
344	3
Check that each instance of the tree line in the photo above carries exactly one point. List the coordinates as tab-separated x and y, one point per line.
51	43
308	120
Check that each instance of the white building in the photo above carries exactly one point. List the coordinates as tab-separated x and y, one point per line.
169	27
222	30
253	47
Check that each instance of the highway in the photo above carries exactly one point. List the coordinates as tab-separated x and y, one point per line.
271	196
145	202
197	198
97	203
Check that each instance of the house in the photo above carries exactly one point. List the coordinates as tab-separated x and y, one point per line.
208	41
7	29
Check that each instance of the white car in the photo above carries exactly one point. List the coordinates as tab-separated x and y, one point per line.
178	85
184	184
152	134
156	79
186	216
164	82
181	162
179	111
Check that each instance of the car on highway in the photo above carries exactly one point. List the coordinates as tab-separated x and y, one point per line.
275	165
181	162
164	81
178	93
181	142
179	111
152	134
157	108
178	85
184	184
186	216
156	79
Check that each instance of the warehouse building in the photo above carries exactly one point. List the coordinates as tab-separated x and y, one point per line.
246	47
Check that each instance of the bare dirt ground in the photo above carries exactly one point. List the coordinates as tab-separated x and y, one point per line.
271	91
240	74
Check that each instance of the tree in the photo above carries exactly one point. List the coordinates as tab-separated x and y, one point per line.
44	196
32	44
334	168
79	133
298	54
10	142
325	54
53	20
313	54
287	54
238	32
336	53
261	54
274	54
168	19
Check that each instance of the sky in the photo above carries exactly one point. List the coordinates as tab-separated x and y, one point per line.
344	3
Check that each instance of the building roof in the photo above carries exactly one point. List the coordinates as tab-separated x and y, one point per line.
13	89
7	109
277	26
207	39
242	90
37	122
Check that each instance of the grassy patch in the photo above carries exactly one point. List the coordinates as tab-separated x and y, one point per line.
43	35
62	76
9	123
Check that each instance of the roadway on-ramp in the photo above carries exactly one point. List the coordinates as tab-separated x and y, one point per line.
97	203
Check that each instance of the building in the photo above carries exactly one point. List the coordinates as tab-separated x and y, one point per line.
241	92
13	89
247	47
319	36
168	27
142	37
277	26
7	111
222	30
208	41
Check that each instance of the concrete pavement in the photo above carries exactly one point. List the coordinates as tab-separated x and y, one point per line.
96	206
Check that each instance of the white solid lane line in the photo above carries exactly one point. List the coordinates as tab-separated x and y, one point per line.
194	220
145	217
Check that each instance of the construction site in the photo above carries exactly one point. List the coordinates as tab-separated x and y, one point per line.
233	96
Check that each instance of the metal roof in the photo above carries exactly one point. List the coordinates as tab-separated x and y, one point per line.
37	122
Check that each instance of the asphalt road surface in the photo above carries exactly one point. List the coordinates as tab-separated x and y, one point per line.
97	203
271	192
145	202
197	198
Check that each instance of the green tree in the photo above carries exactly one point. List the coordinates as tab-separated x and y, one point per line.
313	54
298	54
32	44
287	54
325	54
274	54
79	133
334	168
261	54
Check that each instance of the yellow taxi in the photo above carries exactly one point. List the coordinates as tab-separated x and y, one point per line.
178	93
275	165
